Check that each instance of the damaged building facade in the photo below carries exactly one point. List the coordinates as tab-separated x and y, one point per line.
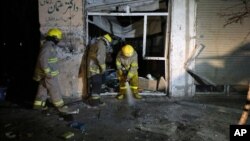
184	42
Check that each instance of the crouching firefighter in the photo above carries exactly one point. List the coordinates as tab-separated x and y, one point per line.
127	71
96	66
46	73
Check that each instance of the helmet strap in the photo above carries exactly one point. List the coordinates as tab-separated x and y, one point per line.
106	41
53	39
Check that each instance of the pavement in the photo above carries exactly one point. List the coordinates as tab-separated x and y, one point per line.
153	118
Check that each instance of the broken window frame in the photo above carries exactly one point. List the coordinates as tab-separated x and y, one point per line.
145	17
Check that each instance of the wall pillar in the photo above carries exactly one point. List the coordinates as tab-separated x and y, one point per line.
182	44
68	15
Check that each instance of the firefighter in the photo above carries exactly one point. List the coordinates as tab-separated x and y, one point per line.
46	73
127	71
96	66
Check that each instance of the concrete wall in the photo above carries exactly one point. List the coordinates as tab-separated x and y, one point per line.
68	16
182	42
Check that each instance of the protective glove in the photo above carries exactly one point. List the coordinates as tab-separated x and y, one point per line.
119	72
127	79
103	68
124	71
47	72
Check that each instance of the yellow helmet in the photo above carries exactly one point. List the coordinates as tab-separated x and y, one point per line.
127	50
107	36
55	32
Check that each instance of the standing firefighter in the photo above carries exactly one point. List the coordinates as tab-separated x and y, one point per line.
96	66
127	66
46	73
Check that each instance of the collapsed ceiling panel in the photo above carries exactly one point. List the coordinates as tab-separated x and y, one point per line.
122	5
112	25
134	29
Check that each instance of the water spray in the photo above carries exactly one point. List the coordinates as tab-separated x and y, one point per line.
130	98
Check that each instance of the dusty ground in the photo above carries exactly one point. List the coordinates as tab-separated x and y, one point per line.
154	118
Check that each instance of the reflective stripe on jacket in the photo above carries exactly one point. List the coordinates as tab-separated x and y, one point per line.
47	63
129	63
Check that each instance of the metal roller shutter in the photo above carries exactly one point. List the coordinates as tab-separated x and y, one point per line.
226	56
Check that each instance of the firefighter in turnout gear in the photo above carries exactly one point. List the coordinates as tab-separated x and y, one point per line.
46	73
127	71
96	66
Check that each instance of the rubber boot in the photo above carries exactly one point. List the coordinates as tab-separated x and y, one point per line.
121	94
95	102
136	94
67	110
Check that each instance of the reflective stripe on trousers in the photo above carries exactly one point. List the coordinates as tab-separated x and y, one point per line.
50	87
133	84
39	103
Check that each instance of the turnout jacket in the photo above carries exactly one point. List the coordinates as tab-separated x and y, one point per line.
129	63
47	63
96	57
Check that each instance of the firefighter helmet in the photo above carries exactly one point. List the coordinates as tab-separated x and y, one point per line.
55	32
107	36
127	50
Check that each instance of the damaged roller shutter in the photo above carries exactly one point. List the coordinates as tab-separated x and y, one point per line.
226	54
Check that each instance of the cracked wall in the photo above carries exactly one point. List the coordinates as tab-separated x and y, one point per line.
68	15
